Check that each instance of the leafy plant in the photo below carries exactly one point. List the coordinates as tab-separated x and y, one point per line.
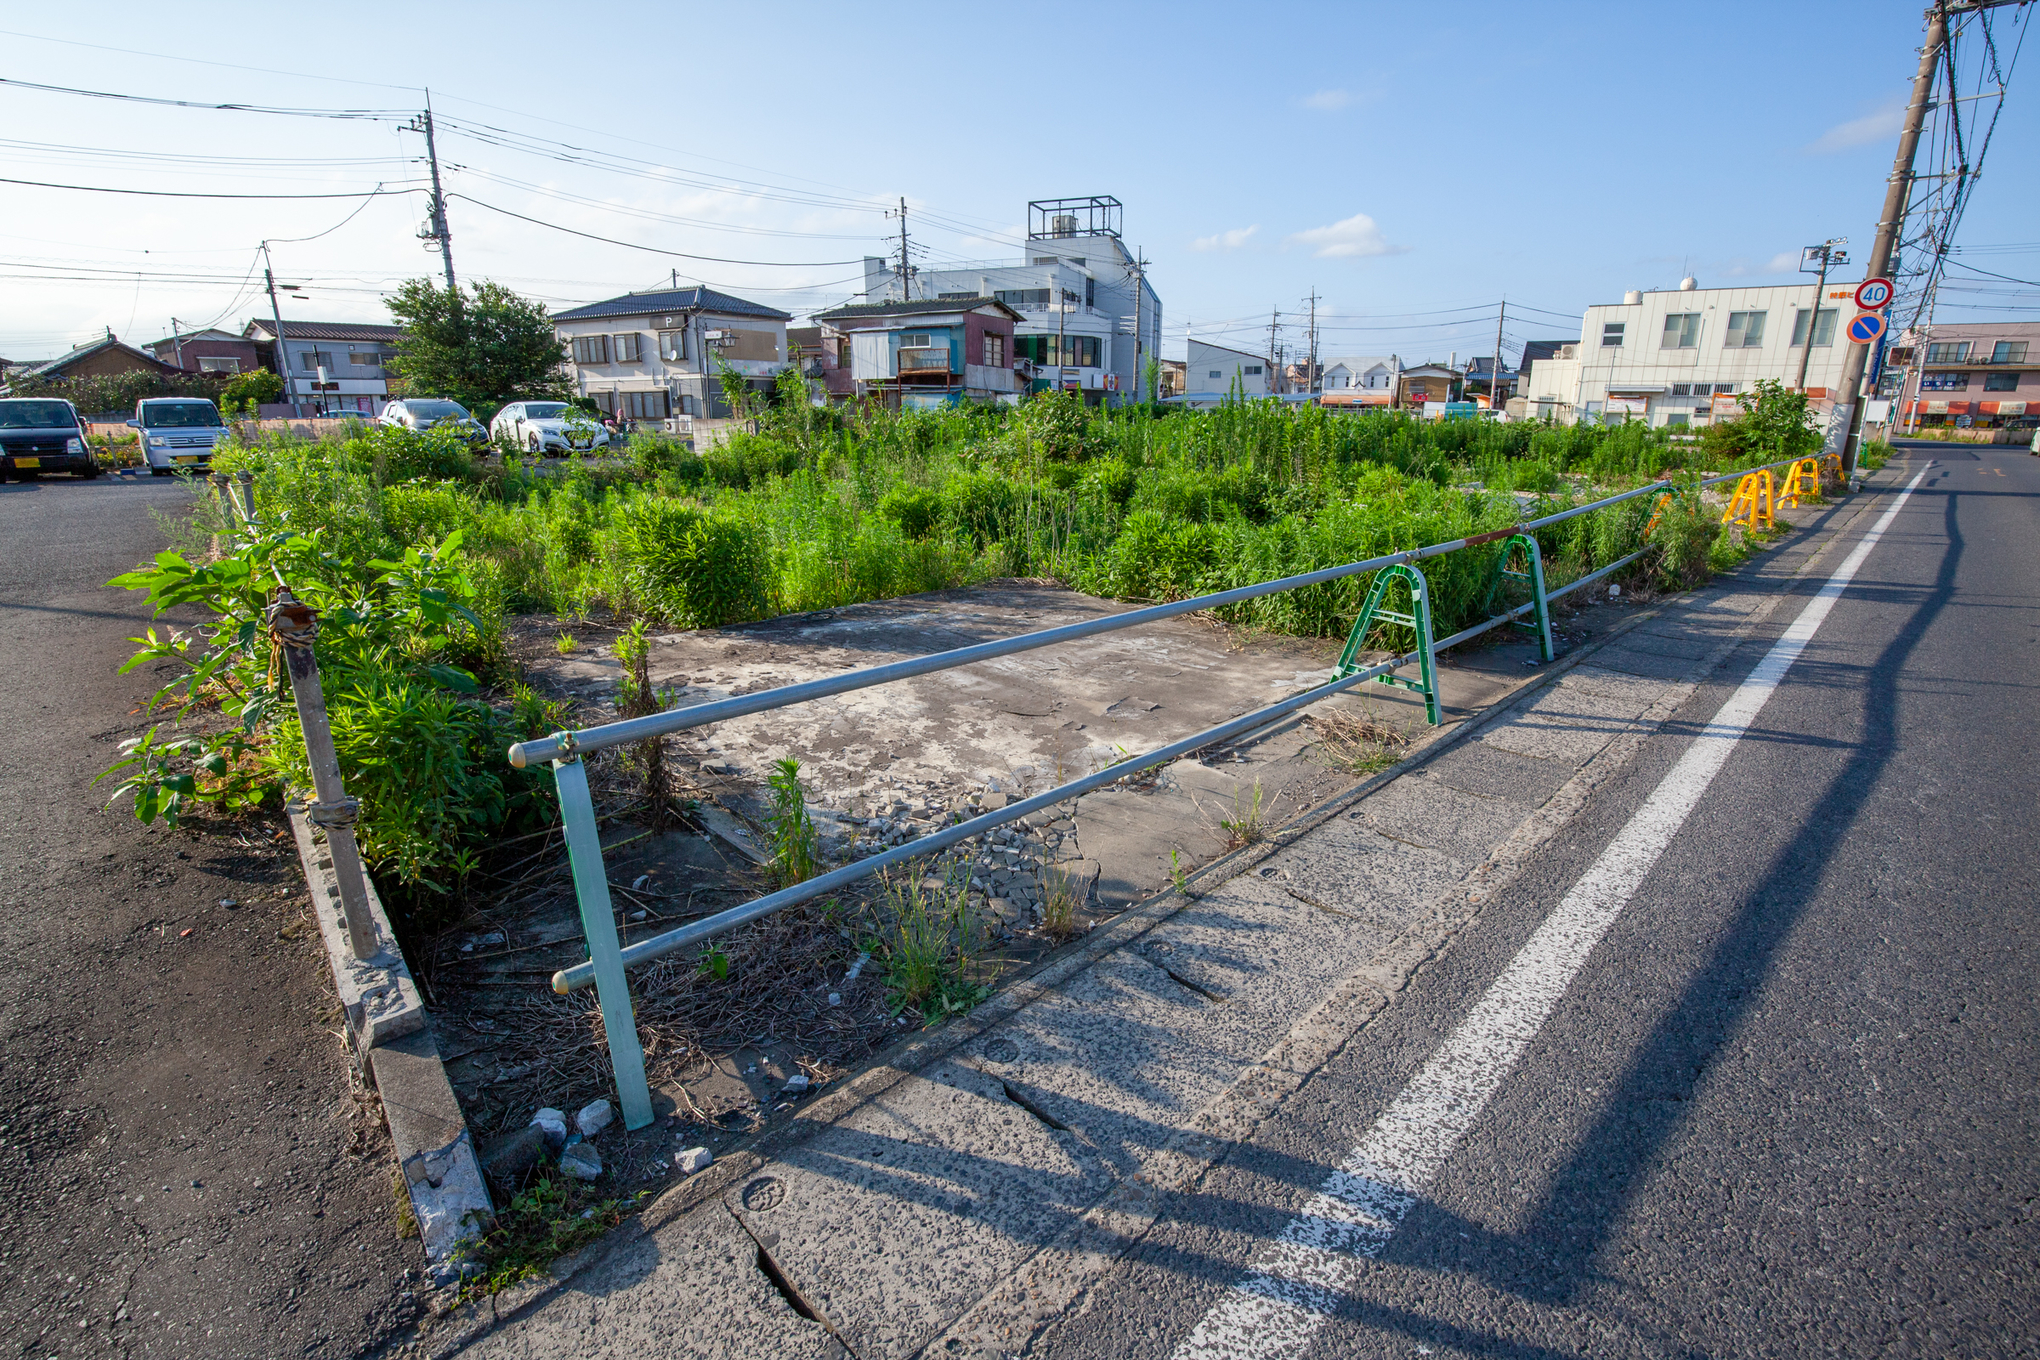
929	945
566	644
544	1221
795	853
1246	826
482	348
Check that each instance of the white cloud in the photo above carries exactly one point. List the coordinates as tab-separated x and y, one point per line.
1355	237
1784	262
1329	101
1865	131
1225	240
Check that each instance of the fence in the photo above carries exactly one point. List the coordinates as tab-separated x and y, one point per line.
608	961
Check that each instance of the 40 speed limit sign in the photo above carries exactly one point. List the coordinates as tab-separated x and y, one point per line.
1873	294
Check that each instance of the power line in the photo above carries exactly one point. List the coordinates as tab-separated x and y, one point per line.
181	193
654	250
373	115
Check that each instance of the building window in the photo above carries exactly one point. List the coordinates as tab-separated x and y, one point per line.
605	402
2000	382
1611	334
1023	297
916	341
209	364
1682	331
843	352
1252	370
309	360
1078	351
1216	374
591	349
646	405
1823	329
1745	330
1945	382
2008	352
1090	292
1954	352
672	346
625	347
365	358
995	351
953	297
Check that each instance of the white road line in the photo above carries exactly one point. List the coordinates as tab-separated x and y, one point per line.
1297	1281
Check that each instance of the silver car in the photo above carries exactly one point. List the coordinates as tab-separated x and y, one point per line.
425	413
548	427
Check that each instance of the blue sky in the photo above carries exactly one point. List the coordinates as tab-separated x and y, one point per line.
1412	164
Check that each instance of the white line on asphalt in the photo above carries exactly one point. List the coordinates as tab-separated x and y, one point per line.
1297	1281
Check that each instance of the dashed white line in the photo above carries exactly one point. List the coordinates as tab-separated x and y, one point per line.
1298	1279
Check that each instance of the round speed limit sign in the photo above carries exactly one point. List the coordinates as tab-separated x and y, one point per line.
1873	294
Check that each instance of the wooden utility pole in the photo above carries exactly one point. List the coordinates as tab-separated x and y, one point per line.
1494	387
1311	378
1274	351
1897	195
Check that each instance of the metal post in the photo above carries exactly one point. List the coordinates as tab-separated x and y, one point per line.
247	506
605	950
295	626
1813	317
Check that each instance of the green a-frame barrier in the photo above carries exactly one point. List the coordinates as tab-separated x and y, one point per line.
1532	575
1418	620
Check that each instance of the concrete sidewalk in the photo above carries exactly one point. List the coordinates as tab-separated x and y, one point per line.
957	1199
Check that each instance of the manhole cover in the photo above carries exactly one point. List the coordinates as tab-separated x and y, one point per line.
767	1192
1002	1051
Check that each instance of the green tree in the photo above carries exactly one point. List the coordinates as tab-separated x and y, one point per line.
483	348
1776	422
246	390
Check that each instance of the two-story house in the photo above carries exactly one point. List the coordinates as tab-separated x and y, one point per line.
921	354
1089	320
1358	380
207	351
660	356
1214	370
329	366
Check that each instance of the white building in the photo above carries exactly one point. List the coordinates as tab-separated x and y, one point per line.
1088	317
1211	370
1360	380
331	366
1678	357
659	356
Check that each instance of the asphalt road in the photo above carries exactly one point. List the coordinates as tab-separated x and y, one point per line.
185	1165
1788	1104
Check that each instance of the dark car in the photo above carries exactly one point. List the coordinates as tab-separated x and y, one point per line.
42	434
426	413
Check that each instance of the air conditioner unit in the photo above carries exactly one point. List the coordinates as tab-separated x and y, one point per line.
1063	224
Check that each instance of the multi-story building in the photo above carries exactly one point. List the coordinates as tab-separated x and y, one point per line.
920	354
660	356
1214	370
1679	357
1089	320
329	366
207	351
1973	373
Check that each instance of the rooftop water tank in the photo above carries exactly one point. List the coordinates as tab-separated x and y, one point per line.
1632	298
1688	284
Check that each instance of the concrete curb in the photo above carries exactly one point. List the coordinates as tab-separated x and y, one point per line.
387	1027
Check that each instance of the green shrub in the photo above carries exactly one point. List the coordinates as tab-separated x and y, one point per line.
916	509
694	569
749	460
984	505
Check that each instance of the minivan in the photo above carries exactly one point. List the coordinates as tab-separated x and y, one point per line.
177	432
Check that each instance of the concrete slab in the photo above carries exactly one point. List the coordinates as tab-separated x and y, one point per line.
1347	867
432	1144
1566	723
895	1220
1491	772
695	1287
1677	642
1633	660
1432	814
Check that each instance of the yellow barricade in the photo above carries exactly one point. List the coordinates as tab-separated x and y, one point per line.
1802	480
1755	497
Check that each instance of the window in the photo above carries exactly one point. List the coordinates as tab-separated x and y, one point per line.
995	351
226	364
1682	331
1823	329
1090	292
1215	373
309	360
1685	389
1956	352
1945	382
605	402
1252	370
365	358
953	297
1611	334
672	346
915	340
2008	352
2000	382
624	347
1745	330
646	405
1078	350
591	349
1723	388
1023	297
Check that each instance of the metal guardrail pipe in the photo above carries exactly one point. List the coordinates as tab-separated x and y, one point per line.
526	753
658	946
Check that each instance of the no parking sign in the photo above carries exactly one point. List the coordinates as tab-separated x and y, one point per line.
1866	327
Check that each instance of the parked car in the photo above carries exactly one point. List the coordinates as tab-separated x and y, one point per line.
43	434
548	427
177	432
426	413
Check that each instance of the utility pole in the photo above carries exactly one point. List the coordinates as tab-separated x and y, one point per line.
176	342
905	270
1140	391
1494	387
276	316
1897	194
1274	351
1311	378
436	229
1828	255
